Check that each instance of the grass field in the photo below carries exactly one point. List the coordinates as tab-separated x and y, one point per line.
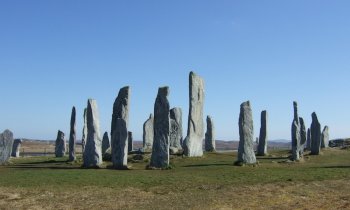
210	182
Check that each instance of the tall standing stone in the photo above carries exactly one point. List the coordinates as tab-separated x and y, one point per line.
72	135
315	135
308	140
303	136
295	133
160	150
193	143
6	143
84	136
93	149
262	145
176	136
148	134
130	141
106	144
119	129
325	137
246	153
210	136
16	147
60	146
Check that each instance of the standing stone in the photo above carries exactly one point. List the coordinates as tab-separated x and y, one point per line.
176	137
303	136
325	137
6	143
210	135
106	144
308	141
160	150
193	143
84	136
148	134
16	147
93	149
130	141
262	146
295	133
119	129
315	135
72	135
60	146
246	153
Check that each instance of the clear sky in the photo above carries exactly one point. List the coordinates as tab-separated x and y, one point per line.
57	54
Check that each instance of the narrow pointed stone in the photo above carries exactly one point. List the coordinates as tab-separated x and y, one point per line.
130	142
193	143
315	135
295	133
308	141
6	143
16	147
176	136
84	136
325	137
303	136
246	153
148	134
72	135
262	146
210	136
60	146
92	156
160	150
106	144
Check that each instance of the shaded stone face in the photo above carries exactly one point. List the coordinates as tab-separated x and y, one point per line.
130	142
121	107
176	137
6	143
105	143
325	137
308	140
210	135
148	134
16	148
193	143
93	149
246	153
60	146
84	136
160	150
303	136
315	135
72	135
295	133
262	146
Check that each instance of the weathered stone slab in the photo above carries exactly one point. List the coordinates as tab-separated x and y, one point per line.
308	140
84	136
315	135
210	136
72	135
176	136
130	141
121	107
60	146
325	137
6	143
262	146
120	145
295	134
16	148
148	134
303	137
106	144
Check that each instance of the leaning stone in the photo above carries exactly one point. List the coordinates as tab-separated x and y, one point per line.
130	142
6	143
72	135
93	149
246	153
210	135
303	136
106	144
60	146
262	146
16	147
148	134
315	135
325	137
193	143
176	137
295	133
120	145
160	150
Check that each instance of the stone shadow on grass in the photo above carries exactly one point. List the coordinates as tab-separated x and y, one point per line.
206	165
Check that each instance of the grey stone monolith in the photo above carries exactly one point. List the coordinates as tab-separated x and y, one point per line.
176	136
92	156
303	137
130	141
60	146
315	135
160	150
72	135
148	134
106	144
262	145
210	136
246	153
325	137
119	129
6	143
193	143
16	148
308	140
295	133
84	135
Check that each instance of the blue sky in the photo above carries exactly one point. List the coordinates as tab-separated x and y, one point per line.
56	54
